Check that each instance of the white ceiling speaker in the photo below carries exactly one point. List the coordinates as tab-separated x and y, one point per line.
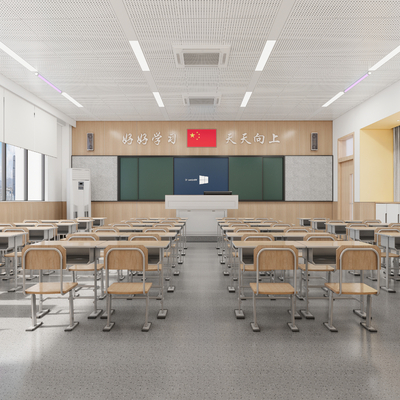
203	99
201	56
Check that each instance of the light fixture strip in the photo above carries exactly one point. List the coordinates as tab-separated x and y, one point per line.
385	59
139	55
158	99
72	100
333	99
48	82
246	99
358	81
16	57
269	45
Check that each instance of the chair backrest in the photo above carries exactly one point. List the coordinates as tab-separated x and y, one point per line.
281	225
356	225
82	236
297	229
68	221
258	236
372	221
106	229
126	256
33	221
6	225
322	237
377	238
43	257
236	225
121	225
245	229
163	225
394	224
353	257
20	229
275	257
155	230
144	236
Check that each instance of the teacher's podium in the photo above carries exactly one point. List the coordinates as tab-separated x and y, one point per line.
201	211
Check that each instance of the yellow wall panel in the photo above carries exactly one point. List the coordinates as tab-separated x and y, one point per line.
376	165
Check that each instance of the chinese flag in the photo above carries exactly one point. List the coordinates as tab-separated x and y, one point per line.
201	138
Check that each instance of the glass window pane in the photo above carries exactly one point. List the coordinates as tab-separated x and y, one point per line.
35	175
15	173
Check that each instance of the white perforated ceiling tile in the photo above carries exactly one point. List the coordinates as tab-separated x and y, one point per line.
82	47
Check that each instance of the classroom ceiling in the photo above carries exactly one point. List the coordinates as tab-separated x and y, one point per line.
82	47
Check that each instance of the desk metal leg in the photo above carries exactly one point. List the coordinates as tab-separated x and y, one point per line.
306	313
386	288
96	312
16	287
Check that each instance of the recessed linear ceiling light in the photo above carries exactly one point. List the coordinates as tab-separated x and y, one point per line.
246	98
158	99
67	96
49	83
139	55
385	59
265	54
358	81
16	57
333	99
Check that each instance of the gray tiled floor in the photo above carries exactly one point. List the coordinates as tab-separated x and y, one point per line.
200	351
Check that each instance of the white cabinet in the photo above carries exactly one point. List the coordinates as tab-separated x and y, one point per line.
389	213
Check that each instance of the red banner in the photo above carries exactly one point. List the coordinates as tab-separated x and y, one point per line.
201	138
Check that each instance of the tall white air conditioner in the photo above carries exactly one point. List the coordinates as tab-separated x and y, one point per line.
78	193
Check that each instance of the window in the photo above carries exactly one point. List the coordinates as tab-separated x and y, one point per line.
15	173
35	176
21	174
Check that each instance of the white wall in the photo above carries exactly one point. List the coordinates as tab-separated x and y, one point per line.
380	106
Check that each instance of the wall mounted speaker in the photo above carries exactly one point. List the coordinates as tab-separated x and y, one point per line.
90	141
314	141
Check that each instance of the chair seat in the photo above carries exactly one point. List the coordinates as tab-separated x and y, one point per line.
351	288
19	254
392	255
85	267
272	288
128	288
51	288
317	267
247	267
154	267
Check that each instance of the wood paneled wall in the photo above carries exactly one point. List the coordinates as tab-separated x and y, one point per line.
364	211
294	137
17	211
285	211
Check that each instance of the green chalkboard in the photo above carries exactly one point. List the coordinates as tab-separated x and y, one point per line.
128	178
273	178
245	177
156	177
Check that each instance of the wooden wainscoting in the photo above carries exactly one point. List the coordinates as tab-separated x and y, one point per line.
364	211
17	211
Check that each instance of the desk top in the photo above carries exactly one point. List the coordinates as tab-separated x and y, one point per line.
390	234
102	244
328	244
11	234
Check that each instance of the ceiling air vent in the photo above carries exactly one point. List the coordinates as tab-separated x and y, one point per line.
201	56
201	99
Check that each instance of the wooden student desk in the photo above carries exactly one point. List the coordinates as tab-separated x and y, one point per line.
94	247
11	241
391	241
364	234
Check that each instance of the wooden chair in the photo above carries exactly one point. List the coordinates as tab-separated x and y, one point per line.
355	258
321	263
126	225
36	257
393	257
246	264
130	257
9	257
297	229
277	257
394	225
86	267
281	225
29	221
106	229
155	264
372	221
